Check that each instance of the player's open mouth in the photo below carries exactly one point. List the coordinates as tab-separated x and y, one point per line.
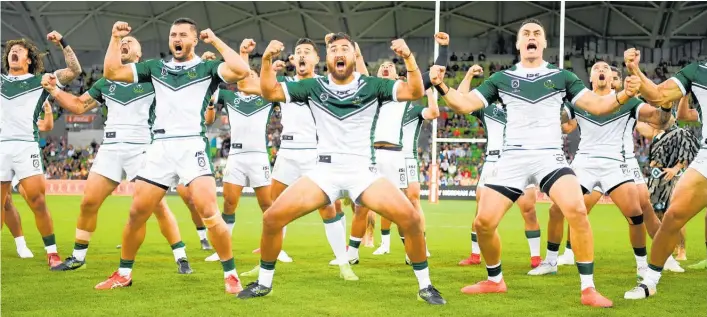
124	50
14	58
385	72
178	48
302	63
532	47
340	65
602	77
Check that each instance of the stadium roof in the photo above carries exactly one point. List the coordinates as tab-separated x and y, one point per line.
86	24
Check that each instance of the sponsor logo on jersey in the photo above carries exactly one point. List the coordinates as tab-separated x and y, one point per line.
532	75
515	83
192	73
259	102
199	153
549	84
324	97
356	101
163	73
138	89
111	89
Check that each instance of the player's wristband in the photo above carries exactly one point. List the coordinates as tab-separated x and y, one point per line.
440	90
63	43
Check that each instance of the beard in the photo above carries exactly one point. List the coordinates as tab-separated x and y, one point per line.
343	74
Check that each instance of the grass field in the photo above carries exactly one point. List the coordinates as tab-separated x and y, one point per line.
309	287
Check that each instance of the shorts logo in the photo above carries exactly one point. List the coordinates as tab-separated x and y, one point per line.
373	169
201	161
266	170
625	170
560	158
35	163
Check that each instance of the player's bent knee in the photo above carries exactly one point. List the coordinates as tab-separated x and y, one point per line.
212	221
484	225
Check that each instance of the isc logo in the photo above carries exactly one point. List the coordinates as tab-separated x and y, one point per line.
34	156
200	153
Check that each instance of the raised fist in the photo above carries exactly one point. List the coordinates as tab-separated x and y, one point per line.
442	38
208	56
475	71
632	57
273	50
327	38
207	36
631	85
247	46
436	75
54	37
121	29
400	48
49	82
358	50
278	66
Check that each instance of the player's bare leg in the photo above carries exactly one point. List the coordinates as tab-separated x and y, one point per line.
335	228
702	264
385	237
198	222
567	258
358	229
680	252
14	223
413	195
170	230
368	239
475	255
624	196
34	187
526	203
689	198
4	195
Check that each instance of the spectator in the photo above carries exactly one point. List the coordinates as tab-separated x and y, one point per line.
453	58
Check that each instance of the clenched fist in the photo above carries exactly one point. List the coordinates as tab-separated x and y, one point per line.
327	38
400	48
247	46
475	71
207	36
436	75
632	57
442	38
274	49
278	66
121	29
54	37
631	85
208	56
49	82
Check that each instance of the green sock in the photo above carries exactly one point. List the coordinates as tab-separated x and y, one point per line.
49	240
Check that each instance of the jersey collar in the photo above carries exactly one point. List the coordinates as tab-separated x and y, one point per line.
16	78
183	65
353	83
543	65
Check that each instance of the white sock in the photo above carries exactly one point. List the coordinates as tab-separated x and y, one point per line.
337	240
20	242
475	244
265	277
534	244
343	223
568	252
230	228
587	281
50	249
423	277
229	273
124	271
202	233
179	253
551	256
652	278
353	251
385	240
641	261
498	278
80	254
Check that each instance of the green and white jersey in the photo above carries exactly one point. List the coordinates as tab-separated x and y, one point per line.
248	117
693	79
21	107
346	116
533	99
412	124
391	122
629	152
493	119
298	128
182	91
604	136
131	110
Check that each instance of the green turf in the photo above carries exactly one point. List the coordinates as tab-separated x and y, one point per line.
309	287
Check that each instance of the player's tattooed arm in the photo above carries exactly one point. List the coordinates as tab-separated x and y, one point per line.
459	102
656	117
270	89
77	105
73	69
47	123
684	112
568	125
210	113
432	110
234	67
657	95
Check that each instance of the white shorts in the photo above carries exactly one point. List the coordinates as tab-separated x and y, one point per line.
15	182
19	159
412	168
635	171
247	170
391	165
293	164
600	173
343	176
487	170
113	159
700	162
169	160
516	169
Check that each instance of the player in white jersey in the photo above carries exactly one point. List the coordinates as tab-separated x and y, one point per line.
533	91
12	217
601	167
493	119
689	196
345	106
297	154
183	88
21	105
127	134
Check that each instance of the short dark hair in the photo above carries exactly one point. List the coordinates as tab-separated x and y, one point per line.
185	21
35	67
533	21
617	70
305	40
340	36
